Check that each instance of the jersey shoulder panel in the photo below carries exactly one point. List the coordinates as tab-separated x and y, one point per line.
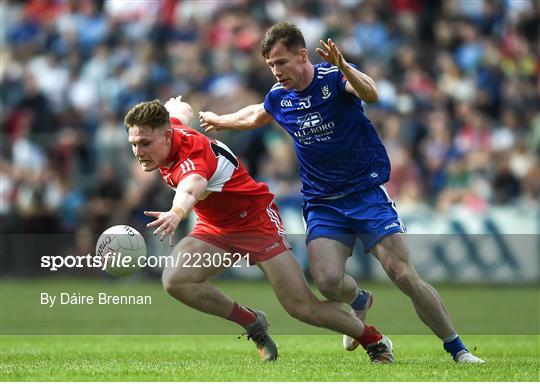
226	166
194	156
276	87
331	75
271	97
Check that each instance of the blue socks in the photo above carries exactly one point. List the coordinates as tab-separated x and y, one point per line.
454	346
361	300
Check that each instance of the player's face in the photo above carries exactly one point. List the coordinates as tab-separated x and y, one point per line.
287	65
150	146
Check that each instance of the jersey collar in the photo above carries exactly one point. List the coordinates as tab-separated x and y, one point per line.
176	140
306	89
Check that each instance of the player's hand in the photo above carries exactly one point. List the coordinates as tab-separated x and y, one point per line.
166	223
331	54
179	109
209	121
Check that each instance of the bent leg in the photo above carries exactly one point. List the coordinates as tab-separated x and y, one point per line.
393	254
327	259
190	285
292	291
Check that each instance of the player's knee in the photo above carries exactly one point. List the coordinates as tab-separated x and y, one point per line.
176	284
170	284
329	286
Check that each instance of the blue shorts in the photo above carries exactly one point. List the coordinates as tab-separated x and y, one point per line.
368	215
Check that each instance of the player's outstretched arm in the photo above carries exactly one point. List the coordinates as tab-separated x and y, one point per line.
358	83
188	192
250	117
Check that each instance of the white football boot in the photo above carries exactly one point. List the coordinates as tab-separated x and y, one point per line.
468	358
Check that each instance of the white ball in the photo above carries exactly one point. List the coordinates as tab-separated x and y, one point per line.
123	247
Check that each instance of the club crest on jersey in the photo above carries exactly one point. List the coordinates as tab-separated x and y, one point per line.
304	102
326	92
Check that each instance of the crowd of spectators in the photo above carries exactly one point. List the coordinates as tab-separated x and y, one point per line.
458	82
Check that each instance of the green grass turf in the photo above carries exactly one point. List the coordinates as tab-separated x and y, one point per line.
224	358
475	310
504	312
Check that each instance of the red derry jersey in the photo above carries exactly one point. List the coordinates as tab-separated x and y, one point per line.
235	196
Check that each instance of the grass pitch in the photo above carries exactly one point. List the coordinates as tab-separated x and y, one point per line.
224	358
167	341
475	310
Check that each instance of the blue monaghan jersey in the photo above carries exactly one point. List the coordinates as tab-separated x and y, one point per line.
338	149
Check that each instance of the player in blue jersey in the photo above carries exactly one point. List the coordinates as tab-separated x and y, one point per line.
343	166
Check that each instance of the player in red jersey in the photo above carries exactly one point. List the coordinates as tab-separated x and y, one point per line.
235	215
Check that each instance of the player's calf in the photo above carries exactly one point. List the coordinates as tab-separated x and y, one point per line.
303	312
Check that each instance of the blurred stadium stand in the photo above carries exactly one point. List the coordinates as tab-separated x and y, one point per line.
459	109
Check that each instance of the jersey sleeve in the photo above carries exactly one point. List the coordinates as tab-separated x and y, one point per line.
200	161
343	80
268	103
175	121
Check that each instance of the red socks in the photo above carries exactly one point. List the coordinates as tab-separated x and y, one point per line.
370	336
242	316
